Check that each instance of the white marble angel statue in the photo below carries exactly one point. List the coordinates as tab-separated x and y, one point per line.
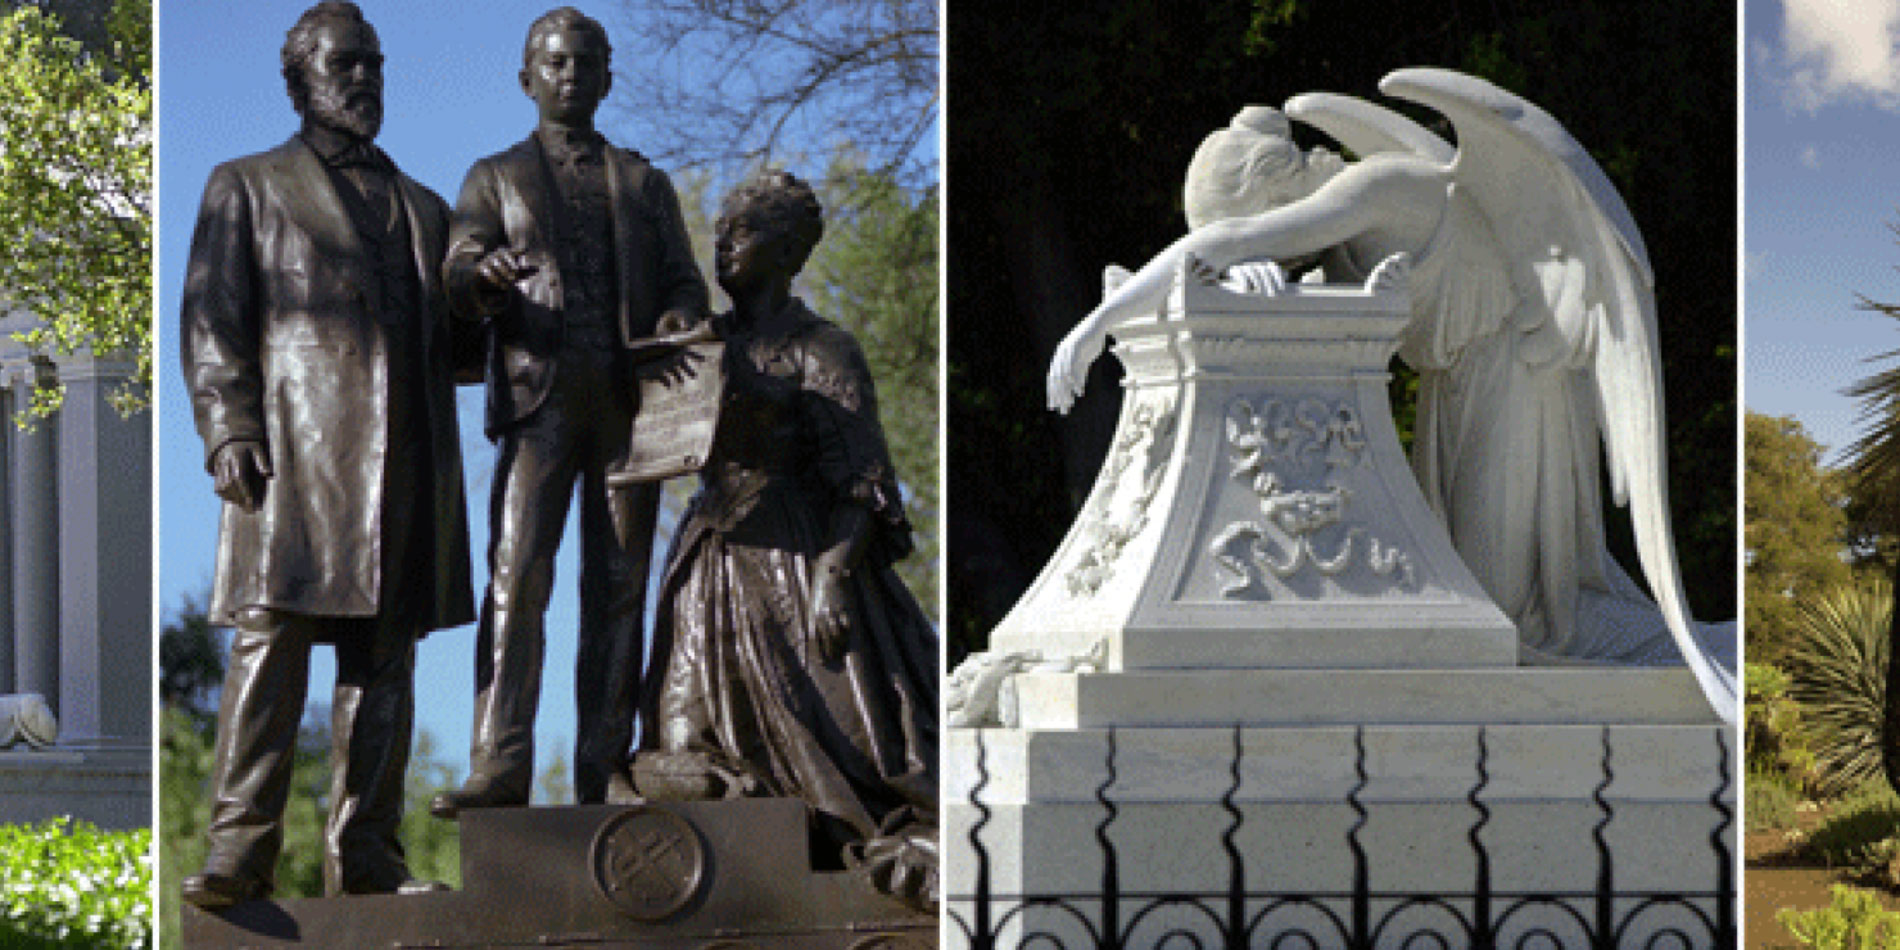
1533	332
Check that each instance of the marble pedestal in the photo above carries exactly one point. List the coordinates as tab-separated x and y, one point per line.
1256	693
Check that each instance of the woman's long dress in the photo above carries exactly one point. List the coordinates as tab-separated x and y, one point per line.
746	684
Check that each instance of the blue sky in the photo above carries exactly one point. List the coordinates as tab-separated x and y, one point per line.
1822	132
451	96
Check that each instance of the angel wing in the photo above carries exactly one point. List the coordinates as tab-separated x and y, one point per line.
1548	200
1367	128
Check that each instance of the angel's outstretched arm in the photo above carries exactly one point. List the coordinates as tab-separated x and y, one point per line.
1352	203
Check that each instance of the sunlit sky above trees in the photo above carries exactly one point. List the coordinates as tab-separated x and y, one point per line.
1822	127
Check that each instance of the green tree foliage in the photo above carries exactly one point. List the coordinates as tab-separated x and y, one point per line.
184	808
875	274
190	661
432	846
1070	124
76	188
191	665
1794	523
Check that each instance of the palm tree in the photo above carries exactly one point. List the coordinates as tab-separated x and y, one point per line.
1874	473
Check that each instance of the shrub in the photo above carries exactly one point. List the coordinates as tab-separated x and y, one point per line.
67	884
1837	667
1772	738
1854	921
1771	800
1860	835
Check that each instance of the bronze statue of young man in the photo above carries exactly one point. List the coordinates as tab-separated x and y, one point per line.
568	249
315	344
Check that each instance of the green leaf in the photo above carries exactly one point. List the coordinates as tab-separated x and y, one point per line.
76	192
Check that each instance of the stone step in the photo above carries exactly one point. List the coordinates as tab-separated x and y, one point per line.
1423	865
1321	763
1266	697
1295	847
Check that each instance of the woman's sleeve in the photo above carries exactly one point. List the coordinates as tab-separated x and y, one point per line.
840	410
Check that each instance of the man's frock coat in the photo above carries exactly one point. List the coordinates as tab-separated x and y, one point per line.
281	345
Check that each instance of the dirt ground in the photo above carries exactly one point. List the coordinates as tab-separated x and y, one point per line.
1773	879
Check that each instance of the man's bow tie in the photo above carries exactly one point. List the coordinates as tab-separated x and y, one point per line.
361	155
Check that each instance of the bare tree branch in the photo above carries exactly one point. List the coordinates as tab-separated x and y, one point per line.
721	85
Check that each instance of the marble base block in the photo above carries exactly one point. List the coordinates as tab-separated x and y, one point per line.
1297	697
1654	763
1256	689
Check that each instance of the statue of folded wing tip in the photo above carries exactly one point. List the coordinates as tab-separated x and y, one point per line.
1533	330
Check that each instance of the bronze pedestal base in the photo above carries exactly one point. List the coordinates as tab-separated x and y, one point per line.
733	874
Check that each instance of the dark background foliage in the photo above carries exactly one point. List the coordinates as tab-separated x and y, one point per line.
1070	125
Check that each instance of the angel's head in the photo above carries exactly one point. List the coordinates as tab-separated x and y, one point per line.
1252	166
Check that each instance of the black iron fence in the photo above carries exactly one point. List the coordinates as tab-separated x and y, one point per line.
1483	917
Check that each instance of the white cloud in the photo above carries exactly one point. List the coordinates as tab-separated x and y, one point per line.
1760	53
1810	157
1840	49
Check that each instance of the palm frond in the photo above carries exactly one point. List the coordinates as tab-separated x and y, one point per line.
1837	668
1873	459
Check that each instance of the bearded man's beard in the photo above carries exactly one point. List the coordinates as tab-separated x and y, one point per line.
358	113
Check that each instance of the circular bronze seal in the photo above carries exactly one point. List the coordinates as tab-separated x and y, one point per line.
648	863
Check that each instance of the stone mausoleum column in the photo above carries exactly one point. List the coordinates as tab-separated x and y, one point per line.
7	678
105	558
34	502
75	590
